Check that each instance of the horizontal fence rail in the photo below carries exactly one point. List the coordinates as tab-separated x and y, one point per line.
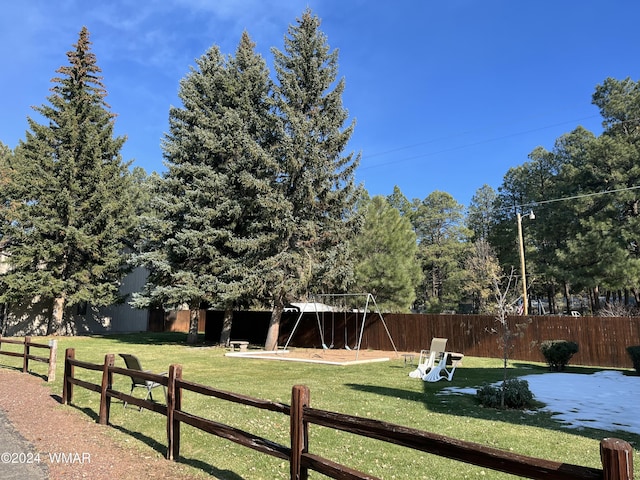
440	445
616	455
227	432
26	355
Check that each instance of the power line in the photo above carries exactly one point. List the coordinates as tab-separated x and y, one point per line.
481	142
574	197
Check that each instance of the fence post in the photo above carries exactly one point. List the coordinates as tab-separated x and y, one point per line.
67	386
53	352
25	355
617	459
299	431
174	402
107	381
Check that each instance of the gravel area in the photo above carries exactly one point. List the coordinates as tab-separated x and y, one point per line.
67	443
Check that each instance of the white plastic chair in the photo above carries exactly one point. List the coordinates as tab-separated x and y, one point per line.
441	371
428	358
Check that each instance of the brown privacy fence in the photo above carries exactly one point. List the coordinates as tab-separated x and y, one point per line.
26	355
616	455
602	341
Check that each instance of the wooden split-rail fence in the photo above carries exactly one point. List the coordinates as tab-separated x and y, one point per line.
616	454
26	354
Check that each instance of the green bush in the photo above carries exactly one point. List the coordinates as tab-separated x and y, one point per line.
517	394
634	353
557	353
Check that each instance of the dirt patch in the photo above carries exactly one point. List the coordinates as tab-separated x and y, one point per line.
328	356
71	445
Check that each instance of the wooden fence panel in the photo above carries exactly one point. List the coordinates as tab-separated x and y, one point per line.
26	354
602	341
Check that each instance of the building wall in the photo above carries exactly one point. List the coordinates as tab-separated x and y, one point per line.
31	318
118	318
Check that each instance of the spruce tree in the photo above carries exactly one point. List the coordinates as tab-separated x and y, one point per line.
74	215
213	206
6	182
316	180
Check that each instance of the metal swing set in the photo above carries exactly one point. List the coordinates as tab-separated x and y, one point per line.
325	303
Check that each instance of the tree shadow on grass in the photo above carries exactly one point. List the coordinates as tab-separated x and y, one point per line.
437	399
155	338
192	462
158	446
41	376
89	412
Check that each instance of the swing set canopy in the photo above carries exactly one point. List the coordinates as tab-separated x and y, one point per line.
310	307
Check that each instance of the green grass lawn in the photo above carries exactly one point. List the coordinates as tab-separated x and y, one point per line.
381	390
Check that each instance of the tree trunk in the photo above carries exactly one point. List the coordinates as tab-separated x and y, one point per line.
552	300
225	334
56	318
192	336
596	299
5	318
271	343
567	297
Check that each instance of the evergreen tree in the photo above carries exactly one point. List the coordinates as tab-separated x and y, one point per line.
443	241
6	183
6	217
546	232
213	208
386	252
73	214
317	181
514	192
603	218
481	213
559	219
398	201
607	224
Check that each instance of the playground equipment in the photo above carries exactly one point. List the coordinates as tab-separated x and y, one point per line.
340	304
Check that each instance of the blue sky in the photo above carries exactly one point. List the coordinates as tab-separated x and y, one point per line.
447	95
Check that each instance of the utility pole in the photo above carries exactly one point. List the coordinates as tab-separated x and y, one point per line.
525	300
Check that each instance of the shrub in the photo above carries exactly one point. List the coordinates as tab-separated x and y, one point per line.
516	394
557	353
634	353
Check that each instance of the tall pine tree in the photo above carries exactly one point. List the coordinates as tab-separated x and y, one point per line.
215	203
316	179
74	214
443	243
